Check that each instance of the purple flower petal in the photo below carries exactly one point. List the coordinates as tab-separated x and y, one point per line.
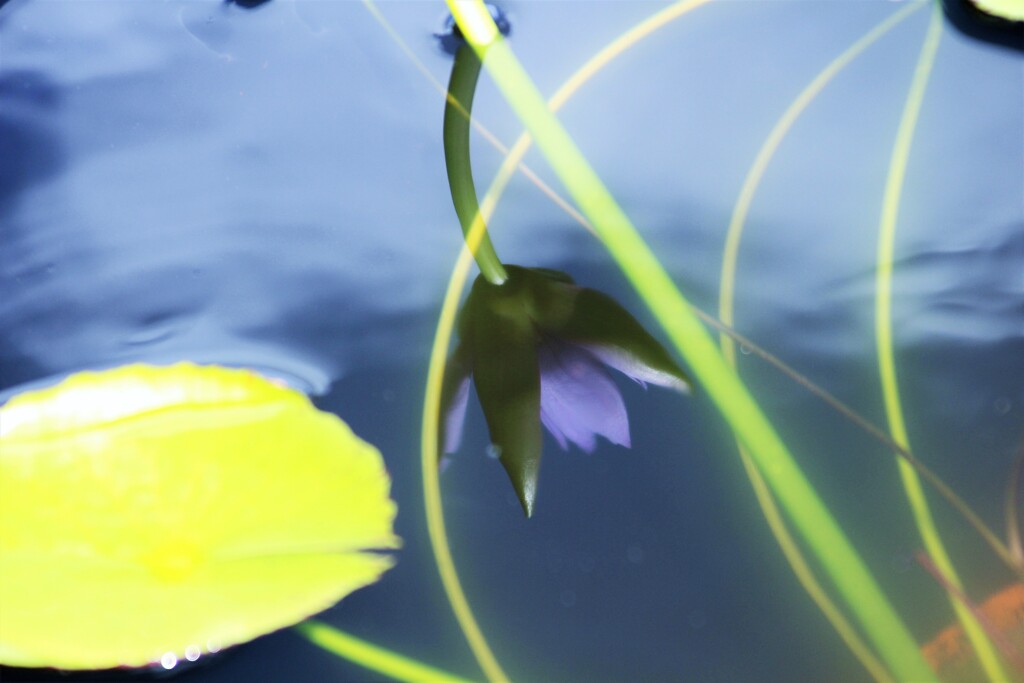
635	369
455	415
578	400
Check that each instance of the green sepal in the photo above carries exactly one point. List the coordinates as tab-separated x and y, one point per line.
507	380
589	318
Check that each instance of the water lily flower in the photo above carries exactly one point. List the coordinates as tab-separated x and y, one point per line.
536	348
534	342
155	514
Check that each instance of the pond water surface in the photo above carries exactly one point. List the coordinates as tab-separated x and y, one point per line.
265	187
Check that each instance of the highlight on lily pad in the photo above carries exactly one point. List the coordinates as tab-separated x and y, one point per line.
536	348
154	514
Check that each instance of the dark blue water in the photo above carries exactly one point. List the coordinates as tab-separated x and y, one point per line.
265	187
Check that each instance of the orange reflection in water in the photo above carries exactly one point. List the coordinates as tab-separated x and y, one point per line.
951	655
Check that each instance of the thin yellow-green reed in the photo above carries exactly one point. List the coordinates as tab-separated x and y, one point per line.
429	457
983	647
373	657
762	159
692	341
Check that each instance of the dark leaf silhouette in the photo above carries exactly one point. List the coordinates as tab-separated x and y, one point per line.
536	348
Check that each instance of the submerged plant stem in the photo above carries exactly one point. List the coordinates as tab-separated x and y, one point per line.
983	647
1002	551
372	657
461	88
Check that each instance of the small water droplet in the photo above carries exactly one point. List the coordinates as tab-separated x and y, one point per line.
635	554
493	451
150	335
902	563
192	653
745	350
1002	405
169	660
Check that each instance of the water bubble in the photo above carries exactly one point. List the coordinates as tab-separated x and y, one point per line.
451	38
745	350
150	335
1002	406
212	646
902	563
493	451
635	554
192	653
169	660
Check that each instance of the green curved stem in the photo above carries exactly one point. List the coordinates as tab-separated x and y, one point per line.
987	655
433	508
457	112
372	657
808	513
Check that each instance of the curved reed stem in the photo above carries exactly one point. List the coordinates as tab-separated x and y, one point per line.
372	657
429	457
1001	550
458	112
986	652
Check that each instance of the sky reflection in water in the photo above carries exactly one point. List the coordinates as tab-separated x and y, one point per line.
267	188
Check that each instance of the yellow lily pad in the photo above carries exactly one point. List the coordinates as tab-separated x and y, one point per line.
152	513
1011	10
